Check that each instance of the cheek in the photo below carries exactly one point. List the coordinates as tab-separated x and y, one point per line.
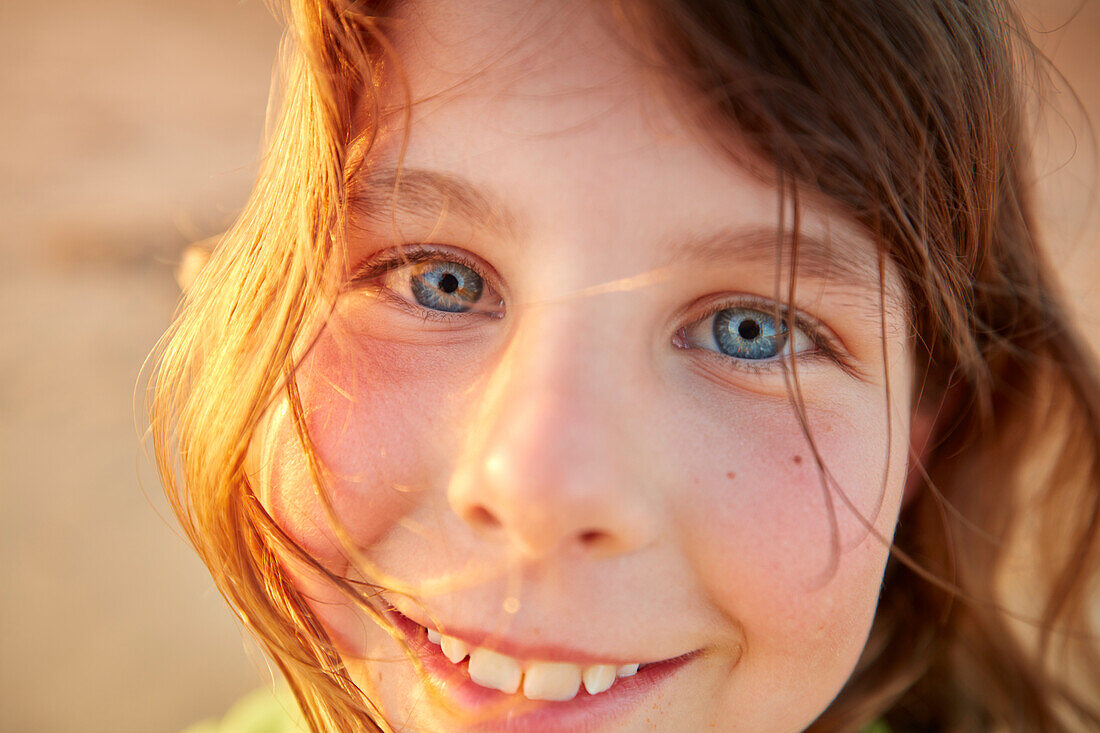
378	423
757	483
789	560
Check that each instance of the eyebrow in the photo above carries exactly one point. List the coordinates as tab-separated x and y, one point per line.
420	192
827	257
377	194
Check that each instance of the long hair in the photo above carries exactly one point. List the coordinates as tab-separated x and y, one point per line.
907	113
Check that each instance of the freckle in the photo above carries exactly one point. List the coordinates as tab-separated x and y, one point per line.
731	475
798	460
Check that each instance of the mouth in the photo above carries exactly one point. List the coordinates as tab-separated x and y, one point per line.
543	690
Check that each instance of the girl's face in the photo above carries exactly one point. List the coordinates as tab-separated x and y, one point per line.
552	408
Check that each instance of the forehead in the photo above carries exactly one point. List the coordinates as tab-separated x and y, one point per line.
512	47
549	75
541	120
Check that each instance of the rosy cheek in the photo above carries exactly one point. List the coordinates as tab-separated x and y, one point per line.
772	552
375	417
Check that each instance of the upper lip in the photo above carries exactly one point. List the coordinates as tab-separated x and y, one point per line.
523	651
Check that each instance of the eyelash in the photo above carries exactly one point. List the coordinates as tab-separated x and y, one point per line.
823	348
369	274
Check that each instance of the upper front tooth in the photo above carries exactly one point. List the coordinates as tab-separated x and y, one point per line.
489	669
551	681
454	649
557	681
598	677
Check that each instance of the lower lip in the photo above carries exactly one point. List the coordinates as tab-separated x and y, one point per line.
485	710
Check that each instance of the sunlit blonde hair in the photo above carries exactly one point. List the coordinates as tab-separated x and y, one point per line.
907	113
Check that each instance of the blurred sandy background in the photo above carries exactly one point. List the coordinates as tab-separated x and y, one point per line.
130	128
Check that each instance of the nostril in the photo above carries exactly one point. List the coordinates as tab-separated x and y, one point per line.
592	537
479	516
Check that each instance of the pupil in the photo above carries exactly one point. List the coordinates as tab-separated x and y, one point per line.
748	329
448	283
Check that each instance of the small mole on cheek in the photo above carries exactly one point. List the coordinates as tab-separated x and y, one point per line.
797	460
731	475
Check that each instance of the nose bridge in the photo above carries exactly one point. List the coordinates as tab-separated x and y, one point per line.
559	352
548	462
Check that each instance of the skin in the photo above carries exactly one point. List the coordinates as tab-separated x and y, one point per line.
586	471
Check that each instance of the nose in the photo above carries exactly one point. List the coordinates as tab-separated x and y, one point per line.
554	459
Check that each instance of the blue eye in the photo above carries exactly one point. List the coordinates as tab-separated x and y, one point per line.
445	286
746	334
433	283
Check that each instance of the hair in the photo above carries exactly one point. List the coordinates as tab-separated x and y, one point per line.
926	148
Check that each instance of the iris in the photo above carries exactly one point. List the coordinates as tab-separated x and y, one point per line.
445	286
744	333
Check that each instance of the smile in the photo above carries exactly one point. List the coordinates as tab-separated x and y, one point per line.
555	693
539	680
